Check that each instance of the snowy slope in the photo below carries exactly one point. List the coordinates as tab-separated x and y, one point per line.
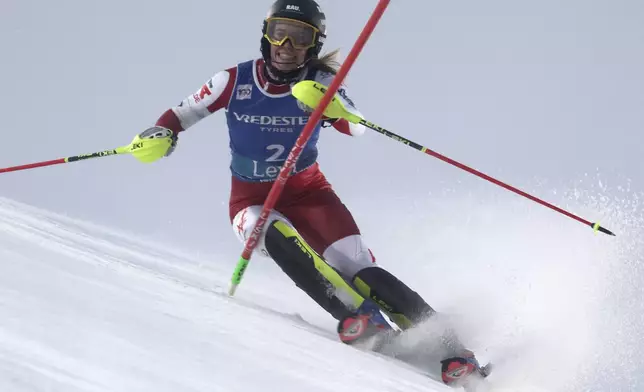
84	308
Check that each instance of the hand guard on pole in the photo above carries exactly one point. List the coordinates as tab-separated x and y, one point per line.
163	140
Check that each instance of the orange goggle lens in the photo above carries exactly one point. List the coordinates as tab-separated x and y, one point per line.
301	35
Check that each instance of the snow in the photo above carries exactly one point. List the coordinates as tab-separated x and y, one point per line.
87	308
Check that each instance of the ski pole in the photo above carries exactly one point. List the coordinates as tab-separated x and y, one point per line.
145	150
309	93
301	141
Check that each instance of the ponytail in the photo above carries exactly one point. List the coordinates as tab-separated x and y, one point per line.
328	62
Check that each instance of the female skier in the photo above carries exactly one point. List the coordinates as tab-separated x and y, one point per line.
264	120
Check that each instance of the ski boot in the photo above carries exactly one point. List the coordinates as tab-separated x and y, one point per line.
367	326
464	371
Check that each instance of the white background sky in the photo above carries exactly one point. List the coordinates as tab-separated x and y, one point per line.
536	94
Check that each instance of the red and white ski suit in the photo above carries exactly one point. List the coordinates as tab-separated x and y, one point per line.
308	202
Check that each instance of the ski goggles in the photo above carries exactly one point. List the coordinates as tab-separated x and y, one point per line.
301	35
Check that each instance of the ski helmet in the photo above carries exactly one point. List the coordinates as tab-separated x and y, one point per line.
307	13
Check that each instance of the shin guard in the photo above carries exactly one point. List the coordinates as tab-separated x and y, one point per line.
310	272
405	306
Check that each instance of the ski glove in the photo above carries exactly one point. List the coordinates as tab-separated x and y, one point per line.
158	132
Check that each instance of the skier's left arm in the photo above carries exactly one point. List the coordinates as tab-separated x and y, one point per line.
342	124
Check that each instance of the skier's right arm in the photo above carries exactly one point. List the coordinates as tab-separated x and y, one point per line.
212	96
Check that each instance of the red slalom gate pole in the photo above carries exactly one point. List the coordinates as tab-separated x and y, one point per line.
301	141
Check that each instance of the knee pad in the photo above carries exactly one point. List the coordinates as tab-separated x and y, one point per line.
349	255
244	223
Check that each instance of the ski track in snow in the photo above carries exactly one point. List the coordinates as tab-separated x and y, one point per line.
85	308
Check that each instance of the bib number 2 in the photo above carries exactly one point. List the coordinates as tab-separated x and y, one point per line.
268	170
279	150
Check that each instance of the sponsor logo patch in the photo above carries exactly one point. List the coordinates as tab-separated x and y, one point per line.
244	91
